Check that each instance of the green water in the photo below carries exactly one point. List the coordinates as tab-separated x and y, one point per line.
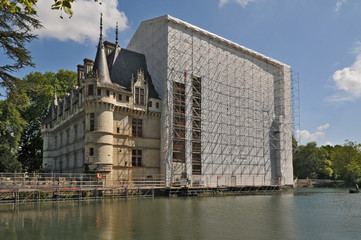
299	214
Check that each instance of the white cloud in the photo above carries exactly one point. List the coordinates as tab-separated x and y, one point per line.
306	136
329	143
348	81
339	4
324	127
243	3
84	24
357	49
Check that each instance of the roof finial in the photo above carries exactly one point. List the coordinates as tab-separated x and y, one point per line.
101	26
116	34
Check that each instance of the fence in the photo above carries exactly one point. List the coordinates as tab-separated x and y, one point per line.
73	180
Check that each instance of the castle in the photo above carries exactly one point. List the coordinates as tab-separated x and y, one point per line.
179	102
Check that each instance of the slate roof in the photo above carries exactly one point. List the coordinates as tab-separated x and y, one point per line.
100	65
126	64
114	71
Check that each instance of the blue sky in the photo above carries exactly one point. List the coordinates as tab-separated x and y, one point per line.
319	39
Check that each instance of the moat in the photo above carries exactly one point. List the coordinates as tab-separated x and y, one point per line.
318	213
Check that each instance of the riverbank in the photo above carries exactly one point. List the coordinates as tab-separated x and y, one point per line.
299	183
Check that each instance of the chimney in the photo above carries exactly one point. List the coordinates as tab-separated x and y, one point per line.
80	72
109	47
88	65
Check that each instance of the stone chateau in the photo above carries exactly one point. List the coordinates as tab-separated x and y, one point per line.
110	122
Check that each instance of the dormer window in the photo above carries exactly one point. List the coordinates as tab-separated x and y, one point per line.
90	90
139	96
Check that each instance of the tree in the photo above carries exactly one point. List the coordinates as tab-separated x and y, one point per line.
11	126
311	162
294	145
28	6
15	32
40	90
8	161
21	143
347	161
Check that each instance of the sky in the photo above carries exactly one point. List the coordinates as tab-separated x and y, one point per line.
319	39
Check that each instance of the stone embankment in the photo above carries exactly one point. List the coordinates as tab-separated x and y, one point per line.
298	183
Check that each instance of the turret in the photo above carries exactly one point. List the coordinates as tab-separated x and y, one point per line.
100	117
100	64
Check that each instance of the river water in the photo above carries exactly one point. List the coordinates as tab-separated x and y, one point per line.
319	213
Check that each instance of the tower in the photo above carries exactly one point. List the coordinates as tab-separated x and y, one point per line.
99	108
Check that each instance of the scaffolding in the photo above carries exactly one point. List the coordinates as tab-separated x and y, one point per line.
196	126
238	106
295	104
178	123
40	187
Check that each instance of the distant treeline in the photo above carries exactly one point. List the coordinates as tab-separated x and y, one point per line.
328	162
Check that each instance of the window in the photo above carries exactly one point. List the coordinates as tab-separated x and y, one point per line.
99	92
157	105
75	132
114	95
108	93
120	97
137	127
91	151
139	96
92	121
67	136
118	130
150	104
136	158
127	98
90	90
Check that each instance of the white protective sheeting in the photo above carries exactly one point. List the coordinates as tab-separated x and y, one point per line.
246	104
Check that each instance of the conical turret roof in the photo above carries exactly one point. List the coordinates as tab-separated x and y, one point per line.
100	63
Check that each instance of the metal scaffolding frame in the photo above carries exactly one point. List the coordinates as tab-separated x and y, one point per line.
295	104
241	106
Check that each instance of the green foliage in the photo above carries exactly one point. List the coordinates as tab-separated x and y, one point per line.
28	6
294	145
338	162
21	143
311	162
8	161
15	32
347	161
65	5
30	153
11	126
40	90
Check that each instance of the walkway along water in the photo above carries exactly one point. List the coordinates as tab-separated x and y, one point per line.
22	187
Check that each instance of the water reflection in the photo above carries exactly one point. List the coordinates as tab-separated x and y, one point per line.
315	214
